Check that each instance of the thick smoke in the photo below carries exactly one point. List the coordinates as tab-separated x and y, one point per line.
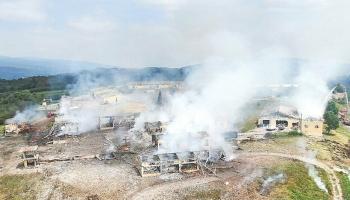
211	106
84	112
243	49
218	94
95	96
28	115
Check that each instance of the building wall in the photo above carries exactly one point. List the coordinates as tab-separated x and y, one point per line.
273	121
312	127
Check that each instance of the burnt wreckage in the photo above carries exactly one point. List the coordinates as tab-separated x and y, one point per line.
115	122
187	161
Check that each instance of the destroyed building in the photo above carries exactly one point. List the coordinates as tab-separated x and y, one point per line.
61	127
180	162
17	128
156	130
117	121
12	129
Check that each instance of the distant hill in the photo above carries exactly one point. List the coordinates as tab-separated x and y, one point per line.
15	72
95	77
17	94
14	68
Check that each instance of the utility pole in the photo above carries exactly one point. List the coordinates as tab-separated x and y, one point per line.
301	122
160	99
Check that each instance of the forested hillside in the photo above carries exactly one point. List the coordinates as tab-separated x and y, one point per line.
18	94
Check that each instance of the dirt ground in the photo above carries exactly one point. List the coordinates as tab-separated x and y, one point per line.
102	179
118	178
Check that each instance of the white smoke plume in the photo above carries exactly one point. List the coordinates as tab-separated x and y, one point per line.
314	174
312	171
250	176
220	90
84	112
91	98
311	95
28	115
270	182
242	47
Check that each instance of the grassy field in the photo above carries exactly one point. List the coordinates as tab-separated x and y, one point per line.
298	185
345	185
2	129
212	194
284	134
340	135
344	131
19	187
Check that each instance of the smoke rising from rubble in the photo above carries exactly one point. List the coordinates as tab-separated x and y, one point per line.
84	113
221	89
217	91
239	63
28	115
250	176
93	97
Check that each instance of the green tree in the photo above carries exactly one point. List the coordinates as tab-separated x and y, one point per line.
331	120
332	107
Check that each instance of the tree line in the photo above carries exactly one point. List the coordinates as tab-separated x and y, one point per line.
16	95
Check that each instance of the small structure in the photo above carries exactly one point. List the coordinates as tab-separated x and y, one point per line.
312	127
29	155
49	106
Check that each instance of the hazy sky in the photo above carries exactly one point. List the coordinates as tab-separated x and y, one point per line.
133	33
